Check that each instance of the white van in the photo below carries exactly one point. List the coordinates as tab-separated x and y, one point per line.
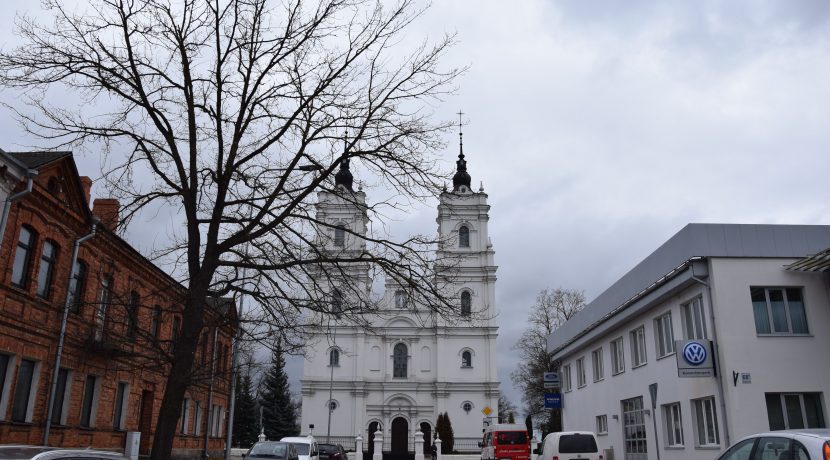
306	447
571	444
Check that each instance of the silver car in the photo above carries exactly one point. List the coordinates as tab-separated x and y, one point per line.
806	444
25	452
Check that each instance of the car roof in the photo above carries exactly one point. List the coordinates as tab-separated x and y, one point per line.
806	432
25	452
299	439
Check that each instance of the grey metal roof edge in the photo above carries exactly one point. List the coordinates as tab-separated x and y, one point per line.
624	306
696	240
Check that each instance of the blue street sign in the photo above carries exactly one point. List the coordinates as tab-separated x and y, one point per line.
553	400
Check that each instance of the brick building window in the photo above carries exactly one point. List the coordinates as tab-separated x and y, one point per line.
78	285
132	314
155	325
48	257
6	371
103	304
23	257
89	404
122	397
174	334
184	415
24	391
61	400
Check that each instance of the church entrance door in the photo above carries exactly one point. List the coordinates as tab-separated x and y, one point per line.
427	438
400	438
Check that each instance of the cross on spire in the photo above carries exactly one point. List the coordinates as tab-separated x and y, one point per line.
460	134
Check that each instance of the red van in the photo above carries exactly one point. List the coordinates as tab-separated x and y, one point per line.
505	441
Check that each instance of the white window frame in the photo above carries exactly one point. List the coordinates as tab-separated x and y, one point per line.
617	356
638	347
663	335
706	417
216	415
581	379
673	418
185	416
6	385
596	362
67	392
602	424
566	378
694	319
802	408
197	418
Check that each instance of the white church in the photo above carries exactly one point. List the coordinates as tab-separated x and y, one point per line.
409	366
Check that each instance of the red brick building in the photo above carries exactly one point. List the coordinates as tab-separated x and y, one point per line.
123	314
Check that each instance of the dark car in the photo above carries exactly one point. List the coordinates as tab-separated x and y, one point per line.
332	452
273	449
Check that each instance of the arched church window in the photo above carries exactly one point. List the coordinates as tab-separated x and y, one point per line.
400	299
339	237
399	357
334	357
464	237
336	302
466	303
466	359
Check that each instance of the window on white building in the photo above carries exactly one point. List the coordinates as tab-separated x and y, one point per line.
464	237
467	406
596	361
779	311
795	411
694	320
339	237
706	422
566	378
399	357
602	424
617	357
664	335
334	357
580	372
466	303
638	347
401	300
466	359
336	302
674	424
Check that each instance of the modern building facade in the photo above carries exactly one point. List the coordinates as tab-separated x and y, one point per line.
758	295
122	315
409	365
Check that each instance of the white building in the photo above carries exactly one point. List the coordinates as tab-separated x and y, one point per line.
409	366
754	293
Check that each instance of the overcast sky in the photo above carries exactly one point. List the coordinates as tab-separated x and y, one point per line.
601	128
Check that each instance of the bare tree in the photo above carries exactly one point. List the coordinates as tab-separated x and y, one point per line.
234	112
552	309
507	410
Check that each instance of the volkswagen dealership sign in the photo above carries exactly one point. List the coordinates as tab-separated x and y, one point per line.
694	358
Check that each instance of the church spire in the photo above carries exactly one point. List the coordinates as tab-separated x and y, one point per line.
344	176
461	176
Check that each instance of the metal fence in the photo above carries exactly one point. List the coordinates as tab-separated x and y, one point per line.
348	442
462	446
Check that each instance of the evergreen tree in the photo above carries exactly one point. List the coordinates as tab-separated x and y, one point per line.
279	416
448	437
245	414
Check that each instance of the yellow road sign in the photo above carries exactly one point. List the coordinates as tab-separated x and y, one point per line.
487	411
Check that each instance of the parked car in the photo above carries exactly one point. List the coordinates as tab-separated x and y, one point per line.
332	452
806	444
273	449
306	447
25	452
571	444
504	441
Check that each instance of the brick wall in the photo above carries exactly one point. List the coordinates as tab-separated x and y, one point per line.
30	325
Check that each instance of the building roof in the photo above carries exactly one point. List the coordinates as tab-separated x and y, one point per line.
693	241
35	160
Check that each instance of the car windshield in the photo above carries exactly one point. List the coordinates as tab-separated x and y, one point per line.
269	449
302	449
512	437
577	444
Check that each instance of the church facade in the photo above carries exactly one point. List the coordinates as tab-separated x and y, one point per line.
410	365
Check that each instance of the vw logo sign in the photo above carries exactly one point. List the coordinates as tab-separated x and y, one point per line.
694	353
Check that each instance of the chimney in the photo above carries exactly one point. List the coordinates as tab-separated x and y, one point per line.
86	183
107	210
